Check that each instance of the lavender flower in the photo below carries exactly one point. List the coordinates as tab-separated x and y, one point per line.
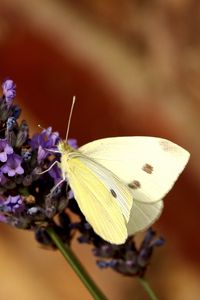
5	149
9	91
13	165
26	155
13	204
10	123
55	173
22	134
7	109
15	111
3	179
73	143
127	258
3	219
44	142
147	246
32	205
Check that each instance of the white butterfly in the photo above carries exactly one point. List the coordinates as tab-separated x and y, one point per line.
119	182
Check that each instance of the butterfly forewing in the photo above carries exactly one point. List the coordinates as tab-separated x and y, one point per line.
97	202
118	189
149	166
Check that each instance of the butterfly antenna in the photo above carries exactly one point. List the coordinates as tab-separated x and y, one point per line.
70	117
40	127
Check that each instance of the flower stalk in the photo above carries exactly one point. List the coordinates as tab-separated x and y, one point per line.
147	288
82	273
76	266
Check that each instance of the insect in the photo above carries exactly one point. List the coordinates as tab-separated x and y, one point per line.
119	182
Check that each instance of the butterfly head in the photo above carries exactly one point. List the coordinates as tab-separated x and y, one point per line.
64	148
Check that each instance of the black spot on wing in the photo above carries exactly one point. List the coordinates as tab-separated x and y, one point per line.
147	168
135	184
113	193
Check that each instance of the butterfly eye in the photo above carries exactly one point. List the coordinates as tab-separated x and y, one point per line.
113	193
147	168
135	184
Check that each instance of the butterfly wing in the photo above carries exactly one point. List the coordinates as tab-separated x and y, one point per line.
96	193
143	215
149	165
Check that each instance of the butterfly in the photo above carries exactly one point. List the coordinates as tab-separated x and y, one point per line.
119	182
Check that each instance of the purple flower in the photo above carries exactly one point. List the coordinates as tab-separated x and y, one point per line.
11	122
13	165
3	219
13	204
127	259
70	195
16	111
5	149
3	179
44	141
73	143
106	264
9	91
55	173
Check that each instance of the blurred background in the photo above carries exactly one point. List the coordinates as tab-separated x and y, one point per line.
134	67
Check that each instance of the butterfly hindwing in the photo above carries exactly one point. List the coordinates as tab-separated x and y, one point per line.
143	215
150	166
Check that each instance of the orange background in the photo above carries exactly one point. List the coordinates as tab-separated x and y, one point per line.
135	70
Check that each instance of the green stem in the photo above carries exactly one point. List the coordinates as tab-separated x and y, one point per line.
76	266
147	288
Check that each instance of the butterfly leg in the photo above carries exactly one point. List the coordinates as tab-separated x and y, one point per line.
55	187
52	150
51	166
